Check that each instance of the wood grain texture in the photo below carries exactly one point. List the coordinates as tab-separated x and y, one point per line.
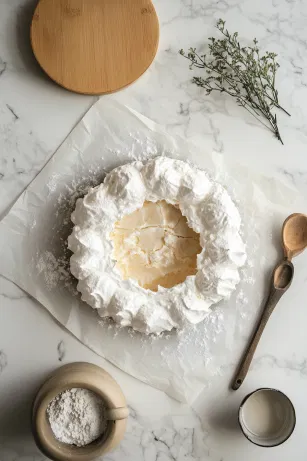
94	46
294	235
294	239
281	281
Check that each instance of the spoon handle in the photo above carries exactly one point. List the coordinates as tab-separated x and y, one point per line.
273	298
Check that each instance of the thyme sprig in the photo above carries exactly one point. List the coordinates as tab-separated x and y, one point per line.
242	73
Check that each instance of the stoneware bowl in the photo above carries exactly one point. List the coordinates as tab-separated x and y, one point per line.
86	376
270	423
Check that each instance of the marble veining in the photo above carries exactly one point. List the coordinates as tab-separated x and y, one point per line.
12	112
161	444
35	117
11	292
288	364
22	156
3	361
61	351
2	67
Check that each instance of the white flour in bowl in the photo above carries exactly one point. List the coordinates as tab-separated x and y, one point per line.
77	416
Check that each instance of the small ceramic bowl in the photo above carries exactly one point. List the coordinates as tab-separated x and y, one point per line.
86	376
267	417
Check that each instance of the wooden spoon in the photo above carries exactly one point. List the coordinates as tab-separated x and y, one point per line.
94	46
294	237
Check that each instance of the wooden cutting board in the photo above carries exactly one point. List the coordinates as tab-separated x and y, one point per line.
94	46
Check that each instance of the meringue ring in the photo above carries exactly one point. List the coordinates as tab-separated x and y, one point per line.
156	245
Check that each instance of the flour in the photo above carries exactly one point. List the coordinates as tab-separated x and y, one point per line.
53	264
52	269
209	211
163	361
77	416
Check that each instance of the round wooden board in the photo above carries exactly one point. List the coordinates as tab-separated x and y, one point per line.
94	46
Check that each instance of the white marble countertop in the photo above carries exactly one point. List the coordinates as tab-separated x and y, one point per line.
36	115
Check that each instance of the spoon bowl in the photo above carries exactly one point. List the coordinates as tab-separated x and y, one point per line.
294	239
294	235
283	275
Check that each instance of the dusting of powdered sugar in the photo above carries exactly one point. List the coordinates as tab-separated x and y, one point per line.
53	269
53	264
204	342
209	211
77	416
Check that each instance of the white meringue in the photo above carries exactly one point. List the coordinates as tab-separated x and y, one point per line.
210	212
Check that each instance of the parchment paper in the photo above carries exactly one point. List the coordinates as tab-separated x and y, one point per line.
34	254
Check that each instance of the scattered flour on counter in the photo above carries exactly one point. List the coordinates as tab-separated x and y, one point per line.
77	416
53	263
52	269
205	342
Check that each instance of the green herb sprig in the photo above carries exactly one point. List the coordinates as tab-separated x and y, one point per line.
242	73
